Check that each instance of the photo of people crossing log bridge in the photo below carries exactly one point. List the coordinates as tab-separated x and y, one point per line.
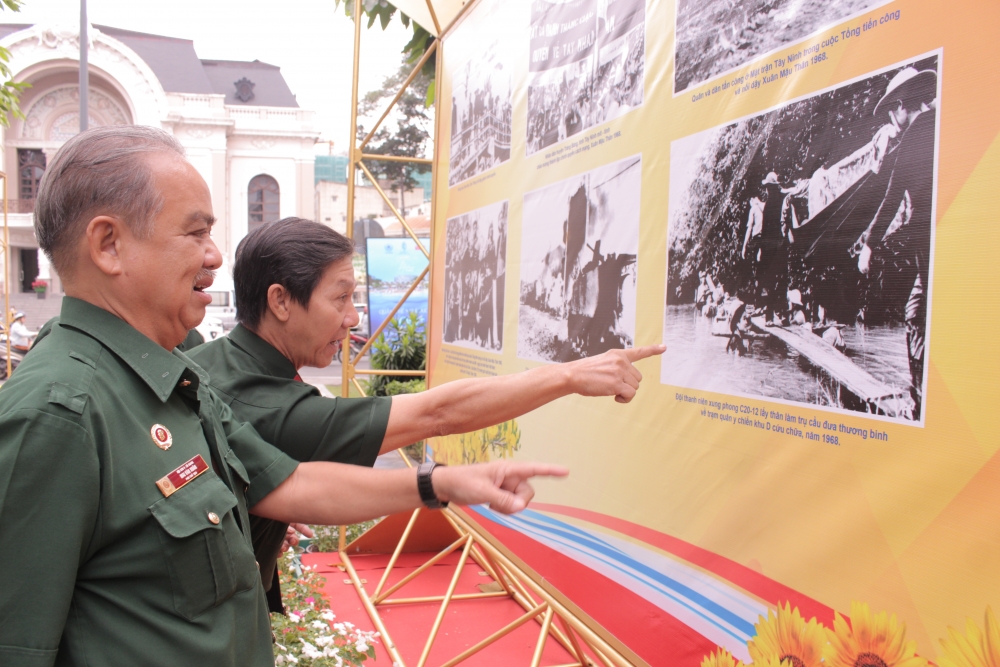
881	397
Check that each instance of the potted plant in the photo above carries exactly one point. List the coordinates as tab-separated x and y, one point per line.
40	286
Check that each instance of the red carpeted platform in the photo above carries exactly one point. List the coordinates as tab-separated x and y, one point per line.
466	622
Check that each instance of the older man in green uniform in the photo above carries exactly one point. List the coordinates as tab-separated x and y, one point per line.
127	476
294	280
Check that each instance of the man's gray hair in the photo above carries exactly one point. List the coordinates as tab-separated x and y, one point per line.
103	171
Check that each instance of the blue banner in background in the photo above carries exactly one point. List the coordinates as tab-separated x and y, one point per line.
393	265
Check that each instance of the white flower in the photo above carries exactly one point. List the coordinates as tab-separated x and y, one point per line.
319	625
293	617
324	641
350	625
361	646
280	660
340	627
310	651
327	615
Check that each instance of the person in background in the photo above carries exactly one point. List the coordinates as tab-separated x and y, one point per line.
21	337
293	283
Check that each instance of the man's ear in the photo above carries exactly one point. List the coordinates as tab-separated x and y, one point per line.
104	243
279	302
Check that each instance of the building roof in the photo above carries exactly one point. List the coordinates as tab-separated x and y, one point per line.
179	70
269	89
173	60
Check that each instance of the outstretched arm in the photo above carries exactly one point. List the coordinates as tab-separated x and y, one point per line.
469	405
337	493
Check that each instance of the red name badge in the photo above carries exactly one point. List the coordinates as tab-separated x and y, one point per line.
183	474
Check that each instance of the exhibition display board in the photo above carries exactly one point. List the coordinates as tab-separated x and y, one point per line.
799	198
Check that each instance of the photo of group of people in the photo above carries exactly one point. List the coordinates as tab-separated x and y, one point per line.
579	247
716	36
586	65
475	275
480	97
799	248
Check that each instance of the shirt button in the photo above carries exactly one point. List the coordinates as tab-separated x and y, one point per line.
213	517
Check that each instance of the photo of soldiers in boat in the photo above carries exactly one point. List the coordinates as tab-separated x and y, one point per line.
586	66
475	274
718	36
800	244
480	96
580	242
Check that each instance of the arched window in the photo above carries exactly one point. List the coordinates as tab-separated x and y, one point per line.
263	199
31	168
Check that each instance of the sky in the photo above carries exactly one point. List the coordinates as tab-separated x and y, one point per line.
311	40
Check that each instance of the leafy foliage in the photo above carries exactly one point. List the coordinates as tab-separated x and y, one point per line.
793	141
401	347
494	442
383	12
327	538
10	91
408	134
309	634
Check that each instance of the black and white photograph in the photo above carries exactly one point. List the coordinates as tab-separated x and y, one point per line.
586	66
475	275
480	95
800	247
716	36
579	246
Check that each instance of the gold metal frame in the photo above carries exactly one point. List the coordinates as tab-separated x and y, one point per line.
556	619
6	277
555	615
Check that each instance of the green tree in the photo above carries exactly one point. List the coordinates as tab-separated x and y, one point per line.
10	91
401	347
408	133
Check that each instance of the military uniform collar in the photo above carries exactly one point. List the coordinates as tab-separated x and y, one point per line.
273	361
160	369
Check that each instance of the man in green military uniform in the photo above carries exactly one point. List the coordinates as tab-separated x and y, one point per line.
131	481
294	280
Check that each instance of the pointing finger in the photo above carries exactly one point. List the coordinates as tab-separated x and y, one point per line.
636	353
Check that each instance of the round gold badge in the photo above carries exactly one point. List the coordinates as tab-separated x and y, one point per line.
161	436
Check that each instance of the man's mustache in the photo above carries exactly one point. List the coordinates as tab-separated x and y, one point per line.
204	276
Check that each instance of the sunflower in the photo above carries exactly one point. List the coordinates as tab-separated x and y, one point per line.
787	637
870	640
721	658
976	648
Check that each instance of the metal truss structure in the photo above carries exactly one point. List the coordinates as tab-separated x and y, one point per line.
559	620
5	242
451	530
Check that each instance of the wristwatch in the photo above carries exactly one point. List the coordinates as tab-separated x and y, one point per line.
426	488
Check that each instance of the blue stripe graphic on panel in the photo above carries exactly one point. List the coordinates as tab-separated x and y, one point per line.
546	528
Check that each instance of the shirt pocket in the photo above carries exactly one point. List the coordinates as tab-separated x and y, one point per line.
207	556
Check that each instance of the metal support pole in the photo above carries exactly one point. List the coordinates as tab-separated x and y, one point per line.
84	68
7	274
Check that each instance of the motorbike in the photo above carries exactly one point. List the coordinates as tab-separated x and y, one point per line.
356	342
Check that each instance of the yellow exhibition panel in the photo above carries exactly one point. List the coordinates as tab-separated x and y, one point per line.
799	198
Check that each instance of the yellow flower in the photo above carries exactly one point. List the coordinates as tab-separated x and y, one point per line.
976	648
870	640
787	637
721	658
772	662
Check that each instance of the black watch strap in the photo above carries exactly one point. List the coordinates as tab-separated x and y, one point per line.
426	488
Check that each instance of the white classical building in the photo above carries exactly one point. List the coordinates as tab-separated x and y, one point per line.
240	124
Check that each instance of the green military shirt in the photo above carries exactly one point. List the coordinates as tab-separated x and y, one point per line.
262	388
101	568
